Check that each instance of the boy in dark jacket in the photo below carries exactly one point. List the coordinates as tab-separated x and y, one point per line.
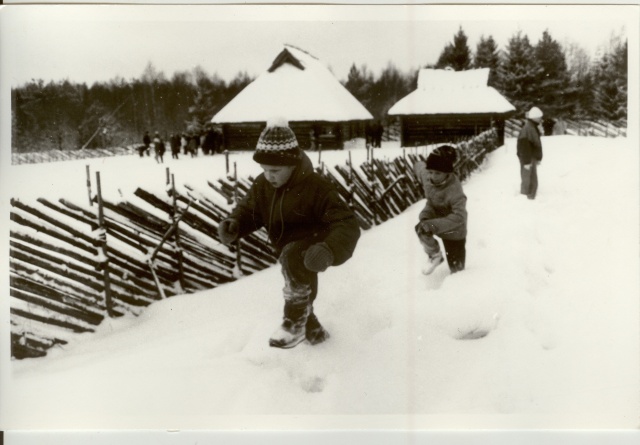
530	153
445	213
310	227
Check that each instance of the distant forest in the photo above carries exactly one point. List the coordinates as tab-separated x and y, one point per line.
562	81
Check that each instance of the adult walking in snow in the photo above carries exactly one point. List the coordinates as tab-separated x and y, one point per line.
530	152
159	148
175	145
194	143
308	224
146	142
445	212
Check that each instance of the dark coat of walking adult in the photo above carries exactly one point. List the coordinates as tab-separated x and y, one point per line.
309	225
146	141
175	145
530	153
209	143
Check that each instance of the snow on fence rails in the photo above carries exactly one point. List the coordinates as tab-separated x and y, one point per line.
576	127
73	264
36	157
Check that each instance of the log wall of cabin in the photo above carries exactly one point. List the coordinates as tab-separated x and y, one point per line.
332	135
424	130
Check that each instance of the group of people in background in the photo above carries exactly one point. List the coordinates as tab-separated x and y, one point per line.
210	141
373	134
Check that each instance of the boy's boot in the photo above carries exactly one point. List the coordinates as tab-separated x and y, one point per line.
293	328
434	261
315	333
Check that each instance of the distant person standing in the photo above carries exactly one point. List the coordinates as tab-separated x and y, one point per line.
530	152
175	145
146	142
184	143
194	142
209	143
159	148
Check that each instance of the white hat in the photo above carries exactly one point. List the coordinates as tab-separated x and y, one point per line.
534	113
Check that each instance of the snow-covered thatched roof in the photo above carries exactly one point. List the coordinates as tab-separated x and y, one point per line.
297	87
452	92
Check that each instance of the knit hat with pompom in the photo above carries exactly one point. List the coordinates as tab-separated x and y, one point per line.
277	145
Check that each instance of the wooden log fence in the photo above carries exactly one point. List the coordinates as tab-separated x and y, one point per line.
74	264
576	127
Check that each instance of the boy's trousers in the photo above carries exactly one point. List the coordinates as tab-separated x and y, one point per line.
300	284
455	250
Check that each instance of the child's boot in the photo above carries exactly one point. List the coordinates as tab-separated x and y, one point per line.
293	328
315	332
434	261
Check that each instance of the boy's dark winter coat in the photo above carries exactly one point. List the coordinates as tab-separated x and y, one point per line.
306	207
529	145
446	209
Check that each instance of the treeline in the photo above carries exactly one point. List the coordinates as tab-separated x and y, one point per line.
563	81
64	115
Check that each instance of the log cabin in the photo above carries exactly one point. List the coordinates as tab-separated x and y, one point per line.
448	106
301	89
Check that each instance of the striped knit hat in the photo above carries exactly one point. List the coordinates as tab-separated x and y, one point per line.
277	145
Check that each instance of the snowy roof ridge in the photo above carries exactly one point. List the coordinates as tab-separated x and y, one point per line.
297	86
438	79
452	92
288	45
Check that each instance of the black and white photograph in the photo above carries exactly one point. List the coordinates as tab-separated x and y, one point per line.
319	218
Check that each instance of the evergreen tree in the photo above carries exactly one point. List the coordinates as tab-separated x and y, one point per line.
611	82
209	92
359	83
456	55
487	56
553	91
387	90
580	80
519	73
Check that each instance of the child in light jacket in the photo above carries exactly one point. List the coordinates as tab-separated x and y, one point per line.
445	212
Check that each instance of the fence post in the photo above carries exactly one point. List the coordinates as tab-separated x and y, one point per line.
238	270
226	160
89	186
103	250
177	233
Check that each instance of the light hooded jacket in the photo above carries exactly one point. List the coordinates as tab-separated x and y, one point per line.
307	206
529	145
445	212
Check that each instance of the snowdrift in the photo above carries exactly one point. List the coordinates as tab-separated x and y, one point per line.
540	330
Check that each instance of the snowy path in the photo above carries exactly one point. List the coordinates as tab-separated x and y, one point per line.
554	282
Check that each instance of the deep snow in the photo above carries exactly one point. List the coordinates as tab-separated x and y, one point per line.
553	281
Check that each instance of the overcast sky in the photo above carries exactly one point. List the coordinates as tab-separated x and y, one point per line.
101	42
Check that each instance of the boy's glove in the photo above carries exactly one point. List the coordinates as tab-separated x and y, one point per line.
228	230
527	166
423	228
318	257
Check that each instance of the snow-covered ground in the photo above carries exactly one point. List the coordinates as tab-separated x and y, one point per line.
553	282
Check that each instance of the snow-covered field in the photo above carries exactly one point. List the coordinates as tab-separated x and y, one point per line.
553	282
